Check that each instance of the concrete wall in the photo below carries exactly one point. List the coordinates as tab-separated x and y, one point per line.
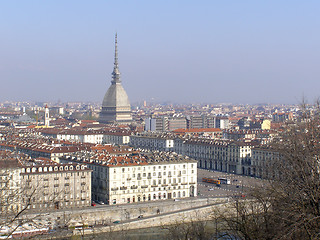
108	214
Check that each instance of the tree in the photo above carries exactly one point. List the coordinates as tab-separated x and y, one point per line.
12	207
289	207
19	197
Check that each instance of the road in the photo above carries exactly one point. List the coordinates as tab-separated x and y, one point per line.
239	184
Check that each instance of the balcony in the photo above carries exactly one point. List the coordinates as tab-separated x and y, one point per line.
114	189
144	186
123	188
154	185
134	187
149	177
164	185
139	178
128	179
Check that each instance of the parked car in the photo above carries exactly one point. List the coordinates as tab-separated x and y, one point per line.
93	204
116	222
140	216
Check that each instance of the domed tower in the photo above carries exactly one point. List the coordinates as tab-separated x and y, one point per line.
116	106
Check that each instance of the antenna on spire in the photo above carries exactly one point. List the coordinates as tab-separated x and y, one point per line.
116	51
116	72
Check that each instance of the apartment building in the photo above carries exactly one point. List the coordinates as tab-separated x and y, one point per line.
137	177
42	184
153	141
42	148
261	157
55	186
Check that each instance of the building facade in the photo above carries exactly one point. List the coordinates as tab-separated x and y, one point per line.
56	186
130	178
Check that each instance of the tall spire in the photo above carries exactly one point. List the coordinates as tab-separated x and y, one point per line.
116	72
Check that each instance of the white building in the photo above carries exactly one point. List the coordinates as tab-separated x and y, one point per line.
137	177
153	141
94	137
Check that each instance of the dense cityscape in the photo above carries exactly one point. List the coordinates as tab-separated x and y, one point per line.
165	160
207	128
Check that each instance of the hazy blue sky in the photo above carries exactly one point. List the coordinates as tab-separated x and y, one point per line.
181	51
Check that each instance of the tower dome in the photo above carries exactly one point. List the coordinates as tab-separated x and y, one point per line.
116	106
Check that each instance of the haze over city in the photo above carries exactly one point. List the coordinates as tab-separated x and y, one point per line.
183	51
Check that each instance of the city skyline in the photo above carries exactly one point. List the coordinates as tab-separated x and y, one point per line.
207	52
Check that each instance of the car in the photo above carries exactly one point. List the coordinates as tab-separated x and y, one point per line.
93	204
116	222
237	186
100	202
211	189
140	216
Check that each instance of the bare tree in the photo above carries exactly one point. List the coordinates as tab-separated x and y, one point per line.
289	207
11	194
17	197
190	229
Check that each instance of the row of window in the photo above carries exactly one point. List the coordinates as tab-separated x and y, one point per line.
154	168
150	197
50	169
